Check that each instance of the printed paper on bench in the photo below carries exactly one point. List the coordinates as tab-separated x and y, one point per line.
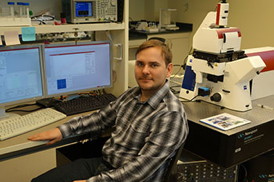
225	121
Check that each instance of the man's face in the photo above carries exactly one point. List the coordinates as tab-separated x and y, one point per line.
151	70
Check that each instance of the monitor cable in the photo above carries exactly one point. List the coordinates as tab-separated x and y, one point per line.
16	108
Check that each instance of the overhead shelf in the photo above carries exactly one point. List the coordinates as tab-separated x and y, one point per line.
40	29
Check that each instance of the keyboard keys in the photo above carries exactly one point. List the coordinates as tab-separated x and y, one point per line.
14	126
84	104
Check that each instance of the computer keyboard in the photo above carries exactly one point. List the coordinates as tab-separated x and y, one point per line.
84	104
14	126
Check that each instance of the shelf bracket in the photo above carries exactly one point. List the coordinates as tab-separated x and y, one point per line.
119	48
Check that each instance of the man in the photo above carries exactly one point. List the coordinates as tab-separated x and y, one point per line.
150	125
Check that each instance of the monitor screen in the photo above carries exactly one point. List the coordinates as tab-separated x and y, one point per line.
20	74
71	68
83	9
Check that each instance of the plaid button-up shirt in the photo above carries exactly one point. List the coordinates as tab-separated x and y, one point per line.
146	134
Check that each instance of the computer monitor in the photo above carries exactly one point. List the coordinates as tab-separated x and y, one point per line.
20	75
72	68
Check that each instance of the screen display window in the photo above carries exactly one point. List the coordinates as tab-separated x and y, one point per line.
20	74
83	9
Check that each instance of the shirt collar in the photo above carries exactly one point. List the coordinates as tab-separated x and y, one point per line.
155	100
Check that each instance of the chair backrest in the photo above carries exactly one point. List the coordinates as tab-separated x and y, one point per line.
171	173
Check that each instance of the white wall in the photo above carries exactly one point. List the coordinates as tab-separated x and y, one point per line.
255	20
146	9
137	10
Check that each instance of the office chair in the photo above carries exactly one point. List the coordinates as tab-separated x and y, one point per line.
171	173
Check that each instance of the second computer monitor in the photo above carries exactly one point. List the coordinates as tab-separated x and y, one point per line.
71	68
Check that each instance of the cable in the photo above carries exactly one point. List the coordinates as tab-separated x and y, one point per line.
19	106
173	90
177	65
178	70
19	110
42	19
13	109
244	177
109	36
188	100
183	63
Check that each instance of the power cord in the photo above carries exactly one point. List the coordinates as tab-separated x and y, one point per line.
188	100
15	108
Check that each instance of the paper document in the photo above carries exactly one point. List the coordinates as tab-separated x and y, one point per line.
11	38
225	121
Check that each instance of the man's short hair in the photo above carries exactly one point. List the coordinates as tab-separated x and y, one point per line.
166	53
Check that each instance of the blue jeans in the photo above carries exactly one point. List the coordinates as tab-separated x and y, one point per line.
80	169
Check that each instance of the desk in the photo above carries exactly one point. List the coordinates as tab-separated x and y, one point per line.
23	165
225	148
27	147
228	148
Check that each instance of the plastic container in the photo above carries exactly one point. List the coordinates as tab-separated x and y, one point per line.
26	9
11	9
20	9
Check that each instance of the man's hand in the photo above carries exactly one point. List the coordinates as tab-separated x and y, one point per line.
53	135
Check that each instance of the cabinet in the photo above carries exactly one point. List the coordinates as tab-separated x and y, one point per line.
119	37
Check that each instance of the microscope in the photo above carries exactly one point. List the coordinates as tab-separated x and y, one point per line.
218	71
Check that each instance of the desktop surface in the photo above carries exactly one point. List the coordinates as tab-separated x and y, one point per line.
13	145
20	145
257	115
225	148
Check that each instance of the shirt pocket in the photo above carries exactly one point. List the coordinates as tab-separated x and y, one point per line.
137	133
140	126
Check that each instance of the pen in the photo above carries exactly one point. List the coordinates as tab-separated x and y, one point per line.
265	107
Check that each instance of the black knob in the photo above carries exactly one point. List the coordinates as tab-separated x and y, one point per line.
216	97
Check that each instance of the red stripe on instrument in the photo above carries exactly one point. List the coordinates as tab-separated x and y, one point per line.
267	57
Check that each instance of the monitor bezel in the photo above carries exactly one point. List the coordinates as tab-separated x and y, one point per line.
31	99
78	43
